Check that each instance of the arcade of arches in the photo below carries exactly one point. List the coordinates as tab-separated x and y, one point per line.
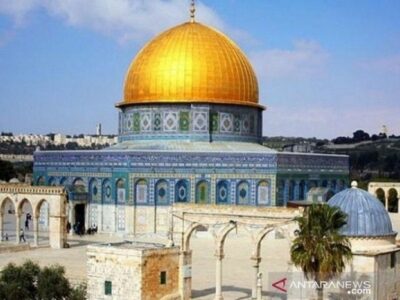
388	193
44	206
257	222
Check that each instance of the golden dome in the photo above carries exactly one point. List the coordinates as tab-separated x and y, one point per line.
191	63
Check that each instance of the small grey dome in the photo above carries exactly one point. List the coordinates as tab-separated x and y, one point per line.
366	215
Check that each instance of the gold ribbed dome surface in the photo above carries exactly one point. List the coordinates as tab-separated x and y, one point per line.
191	63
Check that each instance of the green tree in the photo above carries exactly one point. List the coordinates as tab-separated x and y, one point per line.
319	249
18	282
52	284
29	282
6	170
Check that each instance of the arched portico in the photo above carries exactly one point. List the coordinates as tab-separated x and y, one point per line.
220	221
34	197
388	193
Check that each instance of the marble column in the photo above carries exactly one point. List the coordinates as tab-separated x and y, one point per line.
387	202
71	217
256	270
1	227
17	227
36	230
218	275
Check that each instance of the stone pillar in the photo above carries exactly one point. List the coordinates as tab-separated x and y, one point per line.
185	275
398	205
218	276
86	216
36	230
387	202
256	268
259	286
17	227
71	217
1	227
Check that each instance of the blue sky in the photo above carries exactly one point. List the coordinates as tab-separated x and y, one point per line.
325	68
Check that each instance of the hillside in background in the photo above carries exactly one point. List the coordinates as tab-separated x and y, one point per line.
372	158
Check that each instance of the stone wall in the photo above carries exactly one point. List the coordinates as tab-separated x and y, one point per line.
134	271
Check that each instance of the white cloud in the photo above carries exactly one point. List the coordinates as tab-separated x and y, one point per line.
18	9
388	64
307	58
121	19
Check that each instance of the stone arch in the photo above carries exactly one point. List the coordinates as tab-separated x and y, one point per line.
182	191
161	192
7	214
203	192
223	192
188	234
221	237
393	200
11	209
258	239
141	191
22	204
243	193
41	218
380	194
41	180
263	193
25	212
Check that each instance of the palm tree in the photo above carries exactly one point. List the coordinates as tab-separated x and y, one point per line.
319	249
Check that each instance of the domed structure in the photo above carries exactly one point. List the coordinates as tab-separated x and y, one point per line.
191	63
189	131
366	216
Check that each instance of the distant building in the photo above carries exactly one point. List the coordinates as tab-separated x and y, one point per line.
98	129
301	148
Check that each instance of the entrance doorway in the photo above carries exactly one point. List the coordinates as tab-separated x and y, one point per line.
80	217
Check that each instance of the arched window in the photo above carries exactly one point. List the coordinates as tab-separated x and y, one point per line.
380	194
94	190
79	185
182	193
243	193
106	191
41	181
223	192
263	193
161	195
51	181
141	191
324	183
393	201
121	190
63	181
202	192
